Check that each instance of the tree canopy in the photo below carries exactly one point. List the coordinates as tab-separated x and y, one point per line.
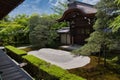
43	30
38	30
115	23
13	30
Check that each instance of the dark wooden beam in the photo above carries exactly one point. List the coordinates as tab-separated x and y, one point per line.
7	6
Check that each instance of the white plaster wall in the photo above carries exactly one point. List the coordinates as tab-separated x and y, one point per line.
64	40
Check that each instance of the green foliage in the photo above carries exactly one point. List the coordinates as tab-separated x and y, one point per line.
6	18
49	71
14	30
39	36
117	1
114	67
115	25
33	21
43	30
40	30
102	34
21	19
115	59
15	50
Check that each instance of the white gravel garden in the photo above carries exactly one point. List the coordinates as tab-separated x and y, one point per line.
63	59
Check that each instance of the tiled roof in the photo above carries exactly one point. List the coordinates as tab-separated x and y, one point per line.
79	7
87	9
84	7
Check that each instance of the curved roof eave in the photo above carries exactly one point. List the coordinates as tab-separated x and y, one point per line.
81	11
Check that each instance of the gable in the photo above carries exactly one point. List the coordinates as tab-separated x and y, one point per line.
78	8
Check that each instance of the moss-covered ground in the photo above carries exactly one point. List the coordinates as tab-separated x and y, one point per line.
95	71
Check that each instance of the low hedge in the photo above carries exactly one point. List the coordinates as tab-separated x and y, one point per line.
42	70
15	53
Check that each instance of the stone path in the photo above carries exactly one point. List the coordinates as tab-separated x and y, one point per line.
61	58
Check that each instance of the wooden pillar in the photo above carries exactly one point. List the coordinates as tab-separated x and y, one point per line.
66	39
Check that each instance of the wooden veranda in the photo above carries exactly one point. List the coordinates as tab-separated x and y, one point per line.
9	70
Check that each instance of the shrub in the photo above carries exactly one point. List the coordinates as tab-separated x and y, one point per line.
43	70
15	53
114	67
71	77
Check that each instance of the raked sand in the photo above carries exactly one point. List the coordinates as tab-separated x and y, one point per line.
63	59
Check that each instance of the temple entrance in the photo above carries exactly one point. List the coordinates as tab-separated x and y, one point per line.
80	35
81	17
80	29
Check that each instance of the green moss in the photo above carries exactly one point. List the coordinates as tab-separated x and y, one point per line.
27	49
51	72
15	53
95	71
34	60
15	50
71	77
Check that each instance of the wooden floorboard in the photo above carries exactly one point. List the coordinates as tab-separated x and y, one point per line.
5	66
10	70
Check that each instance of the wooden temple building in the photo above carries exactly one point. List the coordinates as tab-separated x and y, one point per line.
9	70
80	18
